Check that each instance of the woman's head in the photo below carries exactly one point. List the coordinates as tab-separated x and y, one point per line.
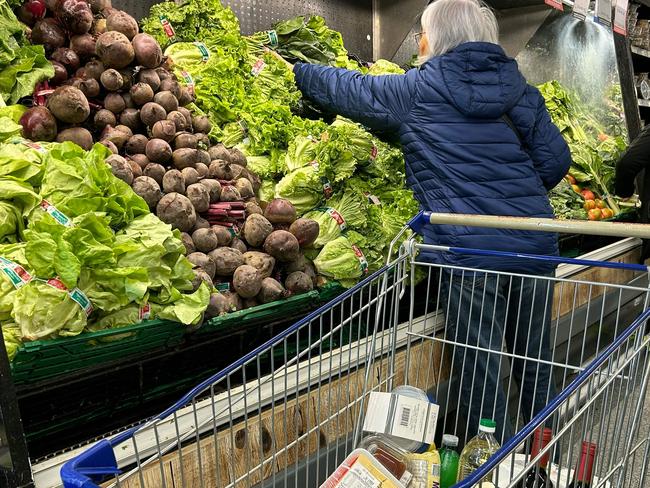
447	24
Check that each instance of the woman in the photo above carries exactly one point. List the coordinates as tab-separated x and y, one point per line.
633	163
477	139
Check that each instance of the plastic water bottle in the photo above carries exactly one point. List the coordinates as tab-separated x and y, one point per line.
448	461
479	449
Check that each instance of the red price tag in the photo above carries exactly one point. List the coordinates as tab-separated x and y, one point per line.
555	4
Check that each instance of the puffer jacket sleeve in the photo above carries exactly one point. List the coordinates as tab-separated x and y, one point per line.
545	144
379	102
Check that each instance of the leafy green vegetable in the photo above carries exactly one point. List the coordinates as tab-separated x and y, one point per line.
302	187
384	67
22	66
339	260
11	337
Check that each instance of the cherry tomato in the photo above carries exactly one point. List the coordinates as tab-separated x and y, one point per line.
595	214
589	205
607	213
588	195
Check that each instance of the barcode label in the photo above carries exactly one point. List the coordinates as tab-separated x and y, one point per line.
406	417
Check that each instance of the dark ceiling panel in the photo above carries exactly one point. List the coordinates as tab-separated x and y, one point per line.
505	4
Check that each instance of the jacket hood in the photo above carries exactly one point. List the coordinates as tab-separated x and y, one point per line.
479	79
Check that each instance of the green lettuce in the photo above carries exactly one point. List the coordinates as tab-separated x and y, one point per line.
302	187
384	67
339	260
11	338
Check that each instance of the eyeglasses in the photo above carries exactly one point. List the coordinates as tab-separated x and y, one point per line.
418	37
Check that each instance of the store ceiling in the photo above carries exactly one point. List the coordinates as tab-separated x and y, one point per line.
505	4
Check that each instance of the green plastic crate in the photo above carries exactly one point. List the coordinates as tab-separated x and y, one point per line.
40	360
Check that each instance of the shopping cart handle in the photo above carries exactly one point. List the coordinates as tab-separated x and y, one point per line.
612	229
82	472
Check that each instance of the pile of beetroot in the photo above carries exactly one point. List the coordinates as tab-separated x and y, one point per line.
111	86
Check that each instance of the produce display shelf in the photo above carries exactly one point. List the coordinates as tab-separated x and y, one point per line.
43	360
641	51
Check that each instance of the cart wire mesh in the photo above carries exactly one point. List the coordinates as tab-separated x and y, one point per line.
290	412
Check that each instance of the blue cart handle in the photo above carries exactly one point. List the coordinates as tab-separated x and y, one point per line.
612	229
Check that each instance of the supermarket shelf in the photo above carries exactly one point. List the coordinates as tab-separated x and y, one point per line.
644	103
641	51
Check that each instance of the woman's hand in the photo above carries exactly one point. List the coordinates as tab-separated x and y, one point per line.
276	55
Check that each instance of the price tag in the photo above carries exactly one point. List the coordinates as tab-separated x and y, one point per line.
604	13
620	17
33	145
144	313
273	38
82	300
56	214
328	191
555	4
223	286
167	27
258	67
372	199
205	54
16	274
189	81
77	296
338	218
580	8
363	262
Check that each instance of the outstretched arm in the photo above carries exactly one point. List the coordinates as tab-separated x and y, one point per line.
379	102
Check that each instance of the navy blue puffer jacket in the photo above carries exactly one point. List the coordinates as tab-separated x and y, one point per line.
461	156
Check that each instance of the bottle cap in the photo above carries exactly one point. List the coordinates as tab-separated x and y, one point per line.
449	440
487	425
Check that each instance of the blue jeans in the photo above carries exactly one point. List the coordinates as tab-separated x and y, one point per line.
488	311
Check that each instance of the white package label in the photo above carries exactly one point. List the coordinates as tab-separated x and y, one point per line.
580	8
620	17
411	418
604	12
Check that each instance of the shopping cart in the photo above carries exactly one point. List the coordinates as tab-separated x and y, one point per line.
289	413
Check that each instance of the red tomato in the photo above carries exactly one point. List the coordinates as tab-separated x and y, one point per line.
600	204
588	195
595	214
589	204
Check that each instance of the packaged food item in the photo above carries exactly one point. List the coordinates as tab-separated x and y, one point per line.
406	416
425	468
360	470
390	455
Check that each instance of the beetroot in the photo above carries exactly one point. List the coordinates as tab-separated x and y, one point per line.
114	102
49	33
60	73
83	45
69	104
122	22
80	136
147	50
280	211
112	80
98	5
282	245
94	69
103	118
38	124
150	77
141	93
67	57
74	15
30	11
115	50
306	231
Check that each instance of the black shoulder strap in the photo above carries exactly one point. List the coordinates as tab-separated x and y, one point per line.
512	126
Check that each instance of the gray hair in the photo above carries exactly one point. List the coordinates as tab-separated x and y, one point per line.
450	23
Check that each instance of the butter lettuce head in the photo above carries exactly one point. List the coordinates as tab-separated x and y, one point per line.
303	187
338	260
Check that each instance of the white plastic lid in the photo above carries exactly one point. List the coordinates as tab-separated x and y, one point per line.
449	440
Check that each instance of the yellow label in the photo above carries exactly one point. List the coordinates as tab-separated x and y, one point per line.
425	469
